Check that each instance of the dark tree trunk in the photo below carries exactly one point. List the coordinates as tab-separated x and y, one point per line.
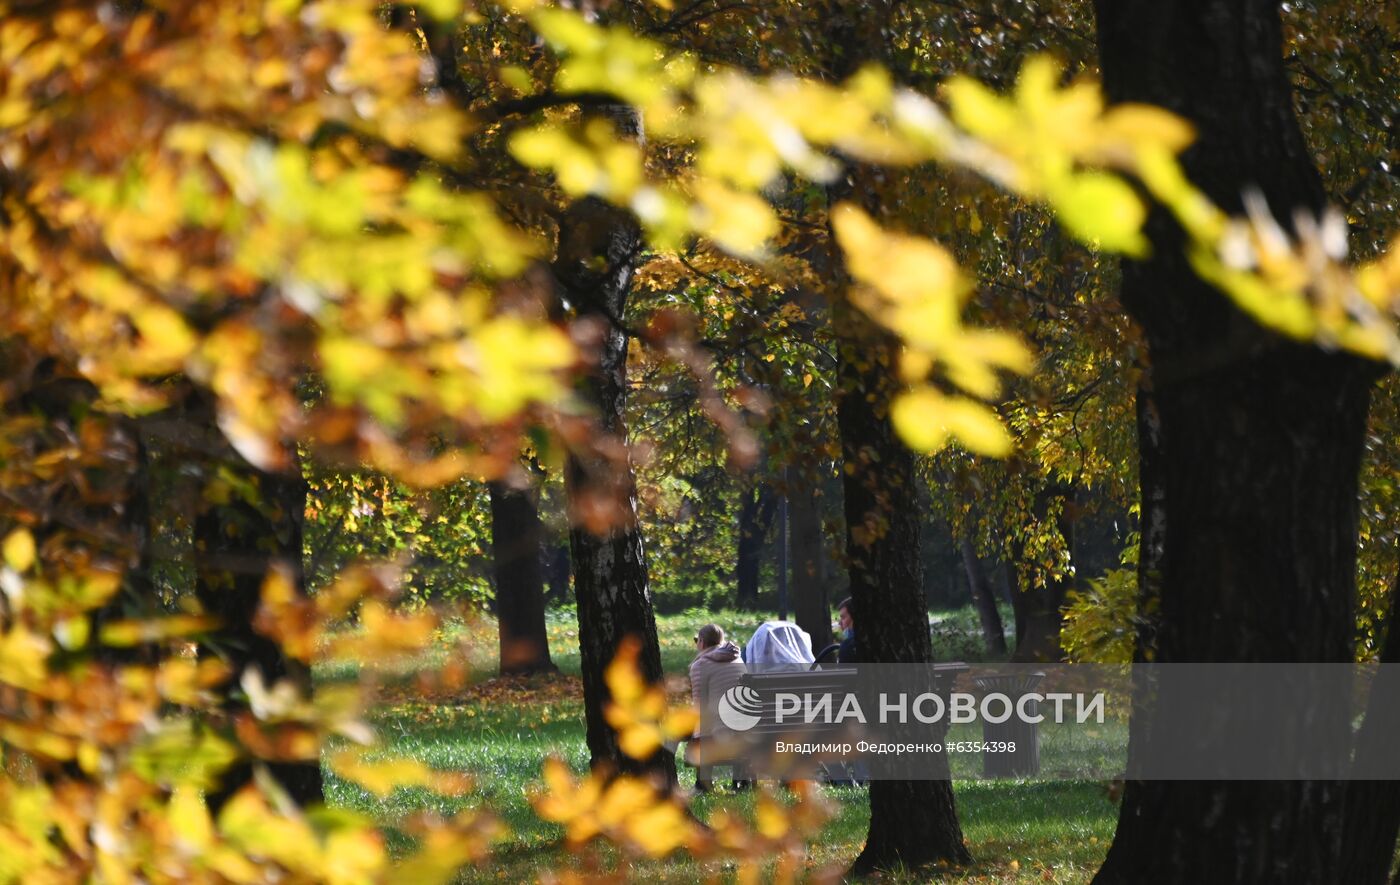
1372	810
137	596
1042	607
598	246
983	598
1250	447
811	607
912	823
1011	586
95	508
1041	622
557	571
515	548
249	525
755	525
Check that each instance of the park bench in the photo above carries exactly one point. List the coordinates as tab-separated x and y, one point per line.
820	678
817	679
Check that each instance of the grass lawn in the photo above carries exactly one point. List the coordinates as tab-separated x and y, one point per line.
501	730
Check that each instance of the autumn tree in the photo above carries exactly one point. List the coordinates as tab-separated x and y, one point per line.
983	598
756	520
911	822
1250	448
598	249
249	531
517	536
439	216
812	599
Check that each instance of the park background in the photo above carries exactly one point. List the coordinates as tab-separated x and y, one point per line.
392	389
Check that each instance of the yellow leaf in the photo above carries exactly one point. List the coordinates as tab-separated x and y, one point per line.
22	658
189	818
623	676
978	109
1102	210
270	73
660	829
568	30
165	338
917	418
517	78
381	777
1146	125
639	742
739	223
925	419
770	818
681	723
901	267
352	855
19	551
133	632
442	10
977	427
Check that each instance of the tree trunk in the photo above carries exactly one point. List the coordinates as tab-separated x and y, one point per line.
811	607
250	524
557	569
1372	811
982	596
515	547
95	508
755	525
1250	448
1011	586
1042	607
598	245
912	823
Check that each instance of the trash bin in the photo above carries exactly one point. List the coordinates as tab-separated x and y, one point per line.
1024	761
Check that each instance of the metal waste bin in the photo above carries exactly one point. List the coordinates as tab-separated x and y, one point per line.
1024	761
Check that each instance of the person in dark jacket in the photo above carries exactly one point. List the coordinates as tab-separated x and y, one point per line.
848	653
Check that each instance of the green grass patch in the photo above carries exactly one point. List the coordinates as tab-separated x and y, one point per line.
501	730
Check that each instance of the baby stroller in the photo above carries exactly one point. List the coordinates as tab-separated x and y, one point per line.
778	645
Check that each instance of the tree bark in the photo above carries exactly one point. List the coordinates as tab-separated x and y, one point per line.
94	509
137	596
598	246
516	533
1042	607
1372	810
250	524
993	633
558	570
912	823
755	527
1011	586
811	605
1249	447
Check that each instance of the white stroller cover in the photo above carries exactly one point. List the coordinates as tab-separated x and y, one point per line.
779	645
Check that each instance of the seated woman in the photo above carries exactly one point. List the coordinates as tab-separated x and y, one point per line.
715	670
